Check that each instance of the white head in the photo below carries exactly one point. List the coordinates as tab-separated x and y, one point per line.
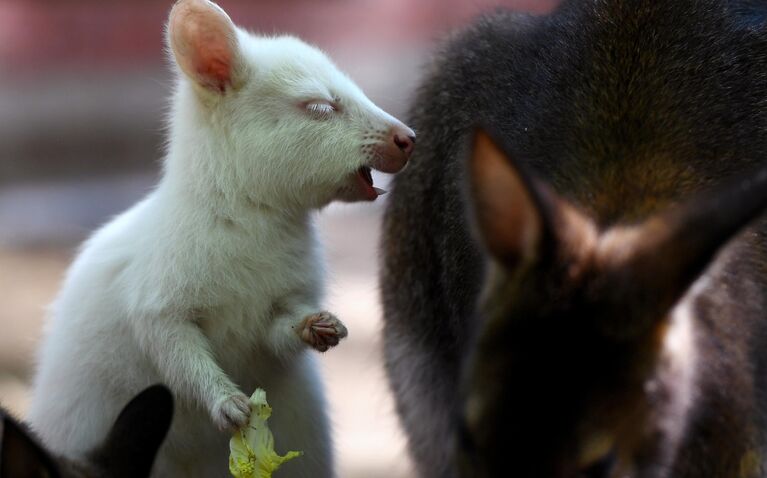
271	118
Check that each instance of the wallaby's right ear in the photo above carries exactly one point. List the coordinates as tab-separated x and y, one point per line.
520	219
130	448
204	43
507	208
20	454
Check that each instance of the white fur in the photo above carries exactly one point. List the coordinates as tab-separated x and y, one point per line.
200	284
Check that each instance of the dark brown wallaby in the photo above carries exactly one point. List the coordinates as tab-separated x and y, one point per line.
587	362
127	452
583	293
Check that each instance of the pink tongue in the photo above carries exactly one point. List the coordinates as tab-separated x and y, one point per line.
369	193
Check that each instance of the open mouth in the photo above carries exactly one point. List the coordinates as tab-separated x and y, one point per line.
364	179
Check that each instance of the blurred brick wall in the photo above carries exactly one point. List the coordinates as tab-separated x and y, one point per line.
41	34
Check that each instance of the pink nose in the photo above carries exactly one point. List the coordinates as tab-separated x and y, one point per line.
404	138
394	152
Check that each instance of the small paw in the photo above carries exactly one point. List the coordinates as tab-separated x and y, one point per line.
322	331
231	412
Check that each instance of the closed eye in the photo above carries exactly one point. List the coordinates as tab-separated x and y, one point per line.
320	109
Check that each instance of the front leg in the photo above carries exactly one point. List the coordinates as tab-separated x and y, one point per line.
298	325
322	330
182	354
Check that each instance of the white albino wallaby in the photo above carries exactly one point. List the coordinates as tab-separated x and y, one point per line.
212	284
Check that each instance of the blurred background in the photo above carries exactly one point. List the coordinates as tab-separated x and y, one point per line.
83	93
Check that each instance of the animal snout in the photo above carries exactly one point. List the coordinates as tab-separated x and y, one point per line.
396	150
404	138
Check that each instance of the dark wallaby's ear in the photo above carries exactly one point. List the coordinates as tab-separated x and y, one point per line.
20	454
507	207
653	264
520	219
130	448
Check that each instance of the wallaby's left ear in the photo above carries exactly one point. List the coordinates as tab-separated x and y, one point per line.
654	263
520	219
204	43
131	446
20	454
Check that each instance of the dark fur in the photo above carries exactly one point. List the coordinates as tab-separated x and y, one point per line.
127	452
624	107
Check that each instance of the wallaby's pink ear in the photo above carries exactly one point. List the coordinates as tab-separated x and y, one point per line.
20	454
204	43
